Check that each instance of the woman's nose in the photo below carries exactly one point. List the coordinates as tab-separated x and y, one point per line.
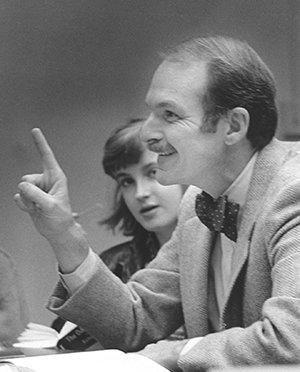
143	190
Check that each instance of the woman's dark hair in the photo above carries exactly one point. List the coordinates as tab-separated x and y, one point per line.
122	149
237	77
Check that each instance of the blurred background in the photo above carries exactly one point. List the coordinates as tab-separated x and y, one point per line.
79	68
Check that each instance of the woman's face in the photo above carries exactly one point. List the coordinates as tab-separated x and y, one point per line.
153	205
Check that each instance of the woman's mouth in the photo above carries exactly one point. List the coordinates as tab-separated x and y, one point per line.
148	209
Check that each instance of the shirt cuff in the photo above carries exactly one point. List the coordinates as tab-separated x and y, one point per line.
81	275
191	343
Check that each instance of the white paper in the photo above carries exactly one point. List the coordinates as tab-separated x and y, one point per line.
100	360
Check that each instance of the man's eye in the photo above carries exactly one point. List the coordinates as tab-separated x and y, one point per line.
170	116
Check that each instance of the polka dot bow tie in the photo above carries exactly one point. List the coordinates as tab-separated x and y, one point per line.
218	214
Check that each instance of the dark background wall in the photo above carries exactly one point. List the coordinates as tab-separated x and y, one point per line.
79	68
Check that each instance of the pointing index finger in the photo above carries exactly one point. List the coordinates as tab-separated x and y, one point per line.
48	159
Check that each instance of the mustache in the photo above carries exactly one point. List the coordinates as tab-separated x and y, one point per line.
159	146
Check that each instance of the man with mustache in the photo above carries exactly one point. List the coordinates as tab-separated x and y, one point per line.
230	272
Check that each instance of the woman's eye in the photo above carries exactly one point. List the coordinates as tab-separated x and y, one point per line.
152	173
170	116
125	182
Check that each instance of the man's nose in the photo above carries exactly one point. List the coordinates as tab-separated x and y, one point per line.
149	131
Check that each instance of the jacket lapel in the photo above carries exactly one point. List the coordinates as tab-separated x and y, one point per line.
195	269
268	162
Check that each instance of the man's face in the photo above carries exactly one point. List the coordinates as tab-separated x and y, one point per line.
187	155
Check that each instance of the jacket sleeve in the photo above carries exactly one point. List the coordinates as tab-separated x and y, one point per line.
127	316
14	313
124	316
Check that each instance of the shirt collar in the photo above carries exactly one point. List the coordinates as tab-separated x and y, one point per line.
237	191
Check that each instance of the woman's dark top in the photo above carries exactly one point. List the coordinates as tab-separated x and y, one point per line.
126	258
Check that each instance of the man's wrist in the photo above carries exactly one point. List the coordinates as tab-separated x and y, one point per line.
73	281
70	248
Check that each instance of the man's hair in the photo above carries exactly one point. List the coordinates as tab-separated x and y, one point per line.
122	149
237	77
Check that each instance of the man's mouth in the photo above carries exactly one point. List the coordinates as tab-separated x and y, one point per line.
166	153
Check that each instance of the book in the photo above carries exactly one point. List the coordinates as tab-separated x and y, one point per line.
37	336
70	337
99	360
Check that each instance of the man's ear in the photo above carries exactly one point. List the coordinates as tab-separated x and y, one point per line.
238	123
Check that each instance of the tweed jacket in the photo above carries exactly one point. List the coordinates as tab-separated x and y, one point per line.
260	321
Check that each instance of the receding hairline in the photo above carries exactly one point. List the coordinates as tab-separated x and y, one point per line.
201	67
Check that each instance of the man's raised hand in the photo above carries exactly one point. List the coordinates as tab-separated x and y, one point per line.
45	198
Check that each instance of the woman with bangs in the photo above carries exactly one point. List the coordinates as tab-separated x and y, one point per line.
143	208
